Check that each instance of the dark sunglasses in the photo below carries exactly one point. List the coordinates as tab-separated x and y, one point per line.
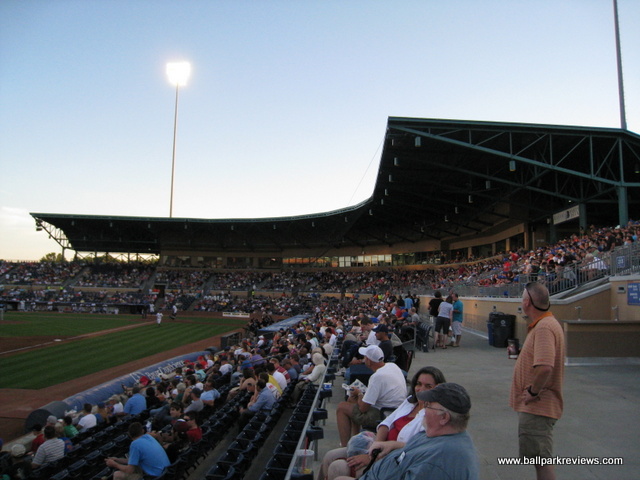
526	287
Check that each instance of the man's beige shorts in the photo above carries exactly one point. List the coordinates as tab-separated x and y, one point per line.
370	418
535	434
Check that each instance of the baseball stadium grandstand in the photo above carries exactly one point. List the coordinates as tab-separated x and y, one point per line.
193	309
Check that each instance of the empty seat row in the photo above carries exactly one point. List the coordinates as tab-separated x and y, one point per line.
244	448
286	449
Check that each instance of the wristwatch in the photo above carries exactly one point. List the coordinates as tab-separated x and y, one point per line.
531	393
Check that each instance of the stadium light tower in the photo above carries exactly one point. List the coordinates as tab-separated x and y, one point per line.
178	73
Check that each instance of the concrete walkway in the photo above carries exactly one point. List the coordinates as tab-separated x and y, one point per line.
601	414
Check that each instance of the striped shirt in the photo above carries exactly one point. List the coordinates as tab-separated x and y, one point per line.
544	345
49	451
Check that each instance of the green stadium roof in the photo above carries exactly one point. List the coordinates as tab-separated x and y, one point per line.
437	180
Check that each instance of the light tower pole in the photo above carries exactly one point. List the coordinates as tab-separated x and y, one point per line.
178	73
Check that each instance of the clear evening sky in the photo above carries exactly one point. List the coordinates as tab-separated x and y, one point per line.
287	104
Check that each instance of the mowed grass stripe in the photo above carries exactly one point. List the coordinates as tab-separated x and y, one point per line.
36	324
62	362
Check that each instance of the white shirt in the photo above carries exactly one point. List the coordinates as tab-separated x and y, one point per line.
445	310
387	387
272	388
371	339
87	421
281	379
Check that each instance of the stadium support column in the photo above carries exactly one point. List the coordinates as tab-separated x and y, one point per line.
582	219
623	205
623	199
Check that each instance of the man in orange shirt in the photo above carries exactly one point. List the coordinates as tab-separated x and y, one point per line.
536	390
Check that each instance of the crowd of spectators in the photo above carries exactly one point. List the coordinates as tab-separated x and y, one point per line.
176	403
115	275
38	273
240	280
185	280
580	256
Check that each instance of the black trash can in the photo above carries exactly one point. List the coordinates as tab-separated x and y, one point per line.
503	327
493	316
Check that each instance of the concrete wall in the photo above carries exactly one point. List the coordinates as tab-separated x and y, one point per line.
589	319
592	339
618	297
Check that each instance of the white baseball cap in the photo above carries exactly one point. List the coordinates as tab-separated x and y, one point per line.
372	352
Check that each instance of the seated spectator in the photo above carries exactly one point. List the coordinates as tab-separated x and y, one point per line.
20	465
288	366
282	370
445	450
277	376
262	400
272	384
70	430
178	389
162	425
176	441
175	411
87	420
248	379
295	363
257	359
210	394
194	433
225	367
402	424
315	377
137	403
52	420
59	428
115	408
384	341
386	389
152	401
196	404
191	382
199	372
51	450
39	437
146	456
101	413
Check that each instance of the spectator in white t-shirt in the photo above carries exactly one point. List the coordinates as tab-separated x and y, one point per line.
88	419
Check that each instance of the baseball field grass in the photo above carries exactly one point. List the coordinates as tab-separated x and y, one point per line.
75	357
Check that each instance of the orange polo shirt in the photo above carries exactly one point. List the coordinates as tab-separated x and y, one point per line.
544	345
